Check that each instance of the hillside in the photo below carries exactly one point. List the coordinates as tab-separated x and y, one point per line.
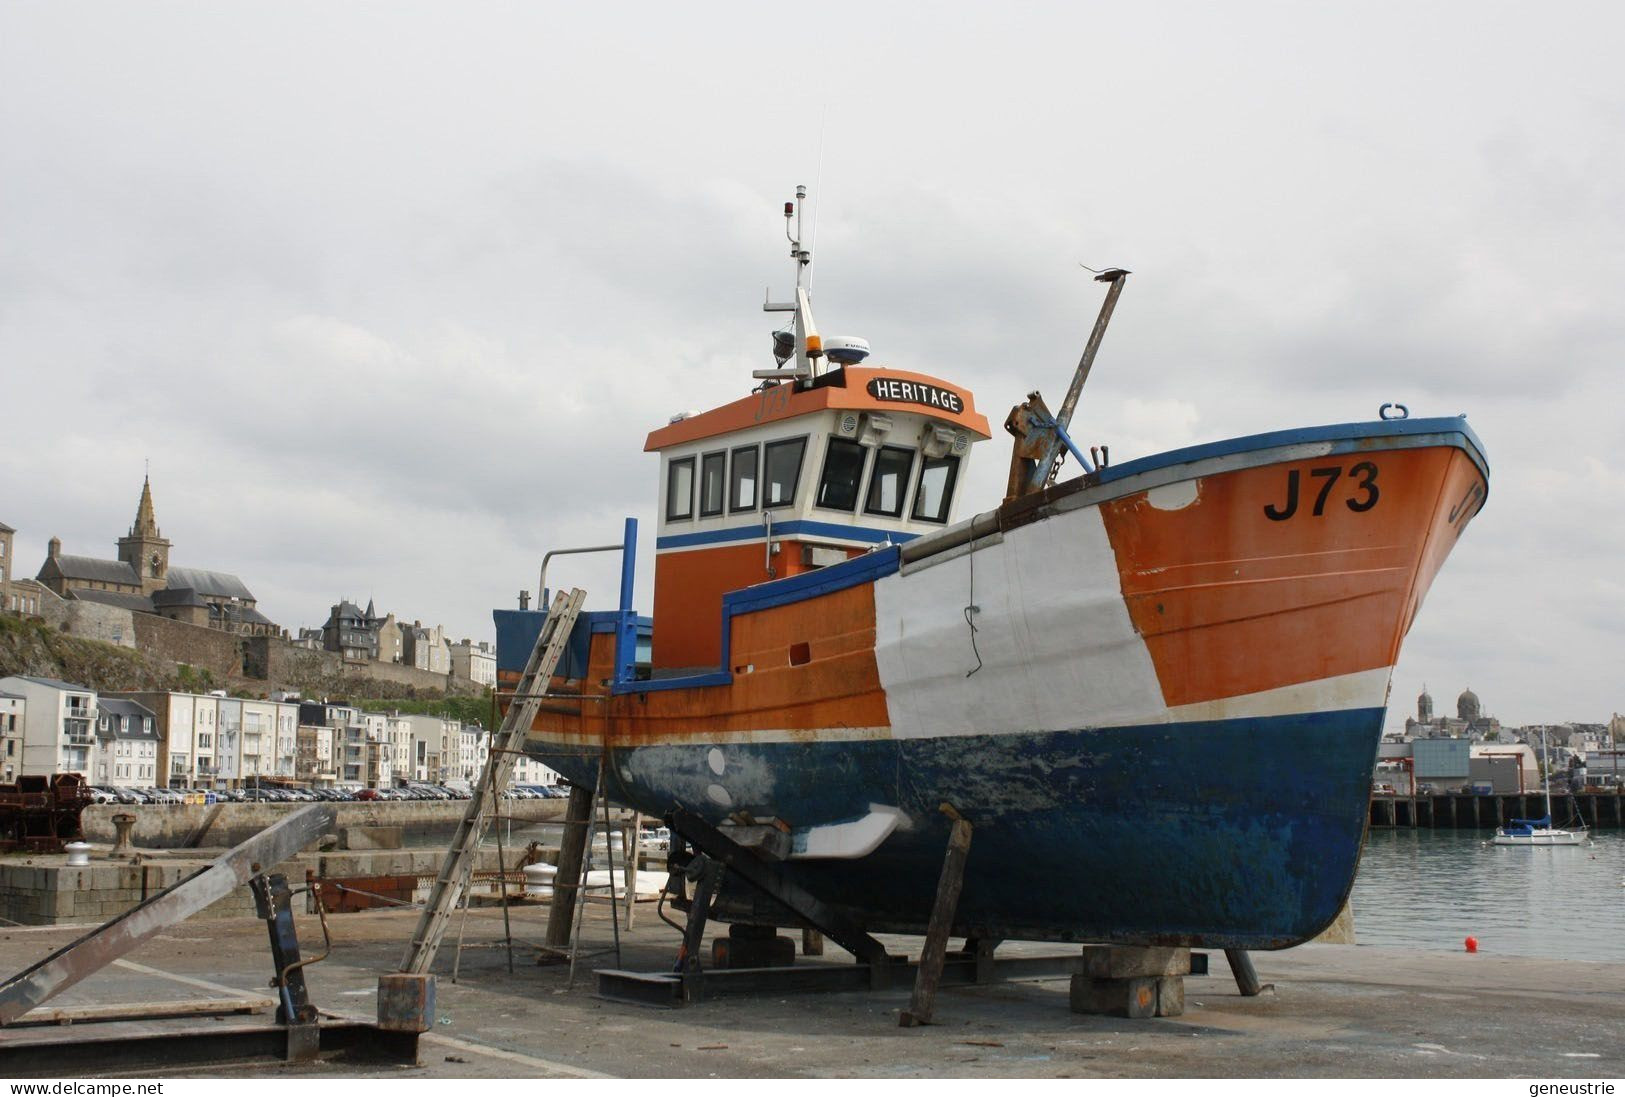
32	647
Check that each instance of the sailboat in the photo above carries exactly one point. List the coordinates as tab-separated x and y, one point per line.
1540	832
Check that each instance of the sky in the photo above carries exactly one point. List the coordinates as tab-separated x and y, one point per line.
389	295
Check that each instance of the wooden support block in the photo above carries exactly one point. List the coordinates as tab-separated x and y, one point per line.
763	839
406	1002
1135	998
1170	995
743	952
1129	962
812	943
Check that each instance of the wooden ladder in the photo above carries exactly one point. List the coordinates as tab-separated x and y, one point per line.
506	745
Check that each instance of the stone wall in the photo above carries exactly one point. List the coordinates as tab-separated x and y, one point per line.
173	826
219	652
281	664
87	620
45	891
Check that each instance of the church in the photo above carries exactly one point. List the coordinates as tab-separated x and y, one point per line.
142	581
1469	722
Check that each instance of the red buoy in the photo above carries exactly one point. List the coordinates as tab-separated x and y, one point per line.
1472	944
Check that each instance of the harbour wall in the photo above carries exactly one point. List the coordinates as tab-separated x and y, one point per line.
1456	811
178	826
44	891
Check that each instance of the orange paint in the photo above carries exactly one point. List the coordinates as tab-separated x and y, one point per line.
787	401
689	586
838	687
1230	602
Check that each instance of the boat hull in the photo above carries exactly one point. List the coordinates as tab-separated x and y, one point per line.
1236	833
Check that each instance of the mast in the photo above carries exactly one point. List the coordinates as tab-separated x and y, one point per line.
1546	772
804	344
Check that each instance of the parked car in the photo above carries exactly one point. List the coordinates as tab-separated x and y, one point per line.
369	794
103	796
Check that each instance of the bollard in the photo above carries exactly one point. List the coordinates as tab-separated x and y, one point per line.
123	824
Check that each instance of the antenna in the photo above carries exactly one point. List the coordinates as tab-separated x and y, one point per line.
807	346
818	185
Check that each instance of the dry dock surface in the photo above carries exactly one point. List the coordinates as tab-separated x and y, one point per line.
1336	1010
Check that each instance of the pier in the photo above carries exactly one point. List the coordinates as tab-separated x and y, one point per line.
1332	1011
1466	811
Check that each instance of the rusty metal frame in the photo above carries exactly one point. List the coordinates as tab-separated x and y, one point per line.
96	949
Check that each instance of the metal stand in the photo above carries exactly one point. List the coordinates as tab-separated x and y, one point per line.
1241	966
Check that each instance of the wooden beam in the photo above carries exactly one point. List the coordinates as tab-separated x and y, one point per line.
935	950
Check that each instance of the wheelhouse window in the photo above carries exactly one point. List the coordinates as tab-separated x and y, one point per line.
742	491
843	472
713	475
936	490
781	469
680	489
889	482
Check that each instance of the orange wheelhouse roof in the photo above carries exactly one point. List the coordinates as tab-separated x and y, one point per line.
862	388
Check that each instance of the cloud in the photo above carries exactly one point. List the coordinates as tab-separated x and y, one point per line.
391	302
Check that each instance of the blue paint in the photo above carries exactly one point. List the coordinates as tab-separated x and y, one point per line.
1231	833
805	527
517	630
1345	438
626	626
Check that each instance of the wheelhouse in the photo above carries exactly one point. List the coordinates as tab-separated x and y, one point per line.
795	477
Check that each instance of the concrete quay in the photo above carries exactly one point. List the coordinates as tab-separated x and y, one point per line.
175	826
1335	1011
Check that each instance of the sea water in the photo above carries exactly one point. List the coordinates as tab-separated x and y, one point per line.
1432	889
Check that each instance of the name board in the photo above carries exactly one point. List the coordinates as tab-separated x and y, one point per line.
896	390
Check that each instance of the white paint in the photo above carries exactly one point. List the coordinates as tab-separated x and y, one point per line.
718	795
715	760
849	840
1362	689
1175	496
1057	647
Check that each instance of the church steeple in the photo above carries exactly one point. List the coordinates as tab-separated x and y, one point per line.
145	549
146	523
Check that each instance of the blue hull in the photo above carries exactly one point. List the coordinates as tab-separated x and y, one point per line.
1234	833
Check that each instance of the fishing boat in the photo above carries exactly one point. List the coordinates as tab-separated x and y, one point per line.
1540	832
1155	688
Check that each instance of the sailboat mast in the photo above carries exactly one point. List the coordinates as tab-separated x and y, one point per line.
1546	772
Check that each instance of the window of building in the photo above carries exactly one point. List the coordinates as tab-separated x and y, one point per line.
843	471
781	470
936	490
742	493
680	489
713	480
889	482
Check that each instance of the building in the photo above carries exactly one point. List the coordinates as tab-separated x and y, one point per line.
426	648
13	718
349	739
188	728
6	535
352	632
314	761
476	662
1456	765
126	745
1469	720
26	598
58	725
141	580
